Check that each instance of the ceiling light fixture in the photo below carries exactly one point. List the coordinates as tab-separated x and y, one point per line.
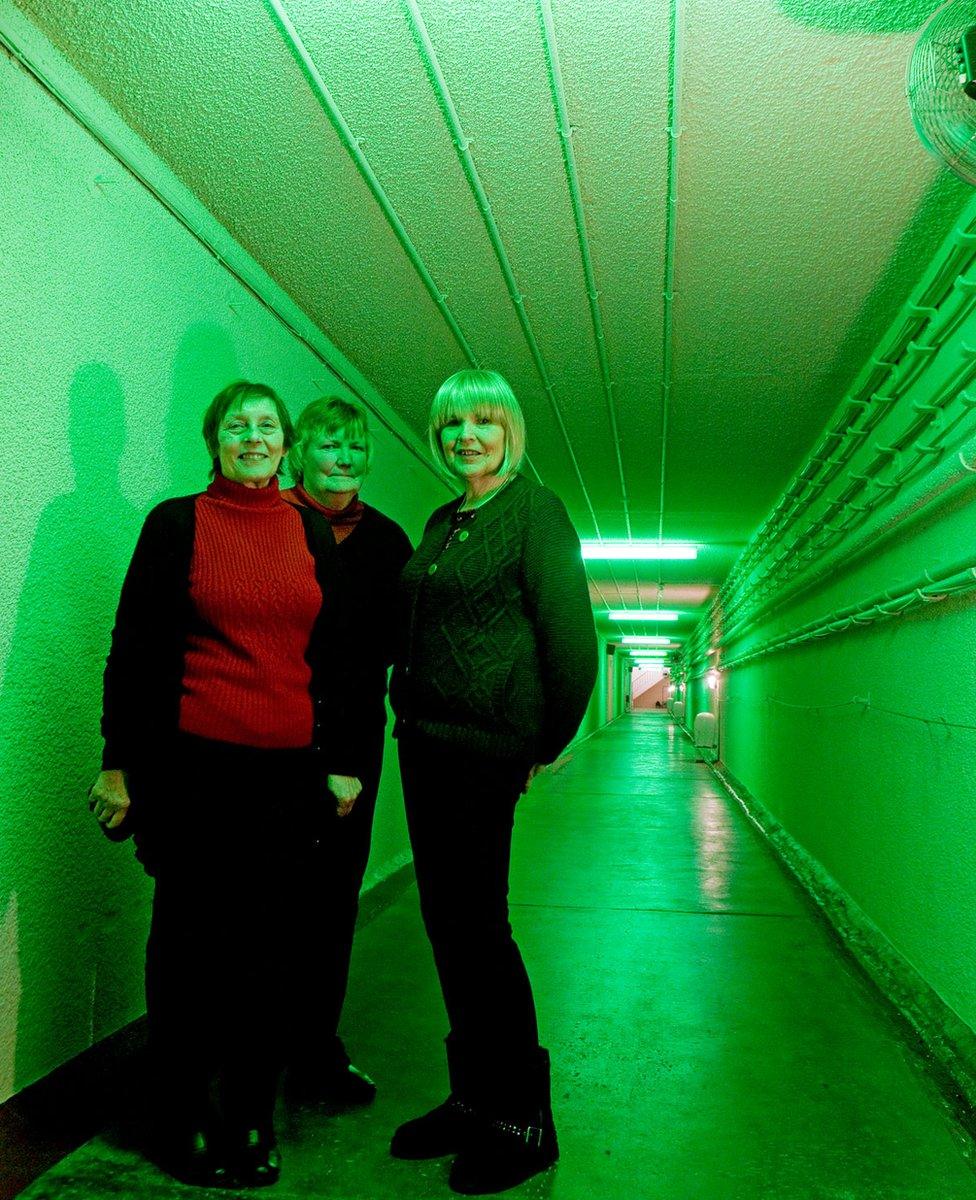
642	614
647	639
639	550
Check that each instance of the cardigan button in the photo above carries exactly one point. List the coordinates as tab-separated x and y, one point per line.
432	569
463	535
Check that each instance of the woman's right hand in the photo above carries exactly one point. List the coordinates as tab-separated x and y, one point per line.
108	799
345	790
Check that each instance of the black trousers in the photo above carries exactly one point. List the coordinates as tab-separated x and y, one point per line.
460	813
330	901
228	832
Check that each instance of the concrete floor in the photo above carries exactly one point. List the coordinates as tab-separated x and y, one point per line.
709	1041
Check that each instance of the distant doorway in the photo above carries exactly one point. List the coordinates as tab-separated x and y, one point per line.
649	689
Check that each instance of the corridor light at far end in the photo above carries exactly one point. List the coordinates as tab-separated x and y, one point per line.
712	679
639	550
642	614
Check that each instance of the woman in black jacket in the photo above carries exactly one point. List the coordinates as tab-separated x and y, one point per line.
227	648
495	669
330	458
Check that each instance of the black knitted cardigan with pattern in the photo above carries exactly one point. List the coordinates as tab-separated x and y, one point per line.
497	648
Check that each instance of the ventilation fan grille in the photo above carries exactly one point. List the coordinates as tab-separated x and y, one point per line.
944	116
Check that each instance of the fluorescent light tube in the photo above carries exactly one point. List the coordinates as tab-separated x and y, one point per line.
638	550
642	614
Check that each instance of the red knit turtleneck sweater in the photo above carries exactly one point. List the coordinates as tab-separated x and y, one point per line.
252	582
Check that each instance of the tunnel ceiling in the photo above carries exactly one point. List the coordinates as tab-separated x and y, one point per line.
678	319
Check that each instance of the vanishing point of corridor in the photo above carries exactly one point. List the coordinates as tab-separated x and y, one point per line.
709	1040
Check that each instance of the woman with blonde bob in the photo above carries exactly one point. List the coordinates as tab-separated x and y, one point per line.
495	667
329	459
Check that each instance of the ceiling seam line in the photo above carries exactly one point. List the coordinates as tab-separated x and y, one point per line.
586	569
108	144
461	143
667	371
350	143
564	129
599	591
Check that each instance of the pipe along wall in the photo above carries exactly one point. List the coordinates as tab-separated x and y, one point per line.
840	658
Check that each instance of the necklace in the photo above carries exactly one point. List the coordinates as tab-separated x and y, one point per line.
465	506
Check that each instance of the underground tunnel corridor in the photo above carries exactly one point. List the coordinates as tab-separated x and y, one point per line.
735	295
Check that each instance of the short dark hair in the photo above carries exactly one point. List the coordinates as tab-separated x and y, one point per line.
233	396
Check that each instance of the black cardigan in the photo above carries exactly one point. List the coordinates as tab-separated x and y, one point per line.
372	557
498	651
145	666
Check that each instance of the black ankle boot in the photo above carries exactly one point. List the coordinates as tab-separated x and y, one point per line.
501	1155
446	1129
517	1137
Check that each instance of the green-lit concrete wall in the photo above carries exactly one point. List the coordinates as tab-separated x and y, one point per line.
622	665
862	742
125	326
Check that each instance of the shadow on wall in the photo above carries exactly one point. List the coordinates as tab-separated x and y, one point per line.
66	899
861	16
74	908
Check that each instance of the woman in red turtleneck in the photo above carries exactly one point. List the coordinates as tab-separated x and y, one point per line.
228	633
329	459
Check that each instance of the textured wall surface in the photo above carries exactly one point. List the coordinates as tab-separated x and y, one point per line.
861	740
124	327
